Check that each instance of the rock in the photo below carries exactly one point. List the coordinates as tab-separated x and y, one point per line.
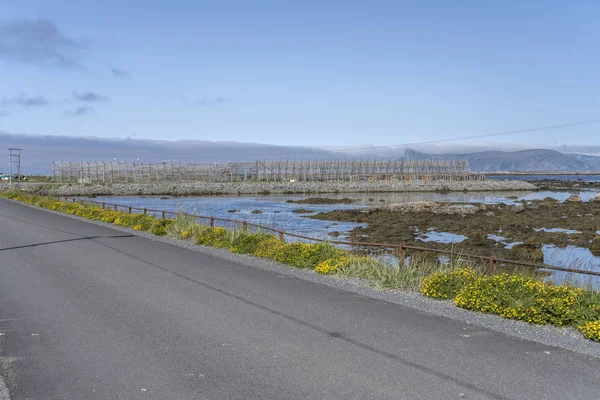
527	252
482	207
489	214
303	211
518	209
597	197
430	207
574	198
595	246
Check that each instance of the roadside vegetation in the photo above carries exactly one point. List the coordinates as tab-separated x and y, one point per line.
519	296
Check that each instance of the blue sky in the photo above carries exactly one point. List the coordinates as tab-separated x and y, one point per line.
301	73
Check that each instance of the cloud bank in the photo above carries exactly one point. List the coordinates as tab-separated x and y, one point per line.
39	43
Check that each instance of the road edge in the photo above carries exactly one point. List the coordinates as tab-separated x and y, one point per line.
560	338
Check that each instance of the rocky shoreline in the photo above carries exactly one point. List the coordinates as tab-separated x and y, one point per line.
217	188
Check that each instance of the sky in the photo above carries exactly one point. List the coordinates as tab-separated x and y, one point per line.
311	73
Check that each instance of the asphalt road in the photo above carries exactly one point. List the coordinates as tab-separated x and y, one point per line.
89	312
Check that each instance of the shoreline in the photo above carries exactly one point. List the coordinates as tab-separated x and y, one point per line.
233	188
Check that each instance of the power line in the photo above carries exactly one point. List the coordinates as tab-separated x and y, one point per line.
542	128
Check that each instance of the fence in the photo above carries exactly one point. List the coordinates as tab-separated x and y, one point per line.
267	170
398	249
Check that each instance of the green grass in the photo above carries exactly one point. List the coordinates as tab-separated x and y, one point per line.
391	275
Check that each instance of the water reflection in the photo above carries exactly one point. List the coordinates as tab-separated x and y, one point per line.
572	257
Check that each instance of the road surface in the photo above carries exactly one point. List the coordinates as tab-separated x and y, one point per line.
89	312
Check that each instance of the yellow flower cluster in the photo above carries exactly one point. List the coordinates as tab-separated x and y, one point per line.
591	330
446	285
518	297
214	237
331	265
522	298
188	233
139	222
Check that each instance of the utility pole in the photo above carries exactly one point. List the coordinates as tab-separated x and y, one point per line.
14	159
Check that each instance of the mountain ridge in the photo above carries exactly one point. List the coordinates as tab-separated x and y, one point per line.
529	160
40	151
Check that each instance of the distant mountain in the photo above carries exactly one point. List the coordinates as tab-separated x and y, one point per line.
40	151
534	160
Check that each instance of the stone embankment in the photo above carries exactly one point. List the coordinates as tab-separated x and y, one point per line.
214	188
429	207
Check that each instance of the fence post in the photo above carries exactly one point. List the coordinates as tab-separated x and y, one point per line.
163	214
245	226
116	207
492	270
145	211
212	222
401	253
281	236
129	209
103	205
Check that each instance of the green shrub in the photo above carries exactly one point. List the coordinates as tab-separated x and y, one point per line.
523	298
332	265
249	243
160	227
215	237
446	285
268	247
305	255
588	306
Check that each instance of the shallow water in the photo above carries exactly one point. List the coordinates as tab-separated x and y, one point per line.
441	237
557	230
275	212
501	239
572	257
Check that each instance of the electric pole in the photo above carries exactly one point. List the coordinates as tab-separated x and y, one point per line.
14	160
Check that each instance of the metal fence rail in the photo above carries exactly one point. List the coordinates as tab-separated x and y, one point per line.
398	249
264	170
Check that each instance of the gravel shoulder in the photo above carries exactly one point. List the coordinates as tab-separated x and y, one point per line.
214	188
560	338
